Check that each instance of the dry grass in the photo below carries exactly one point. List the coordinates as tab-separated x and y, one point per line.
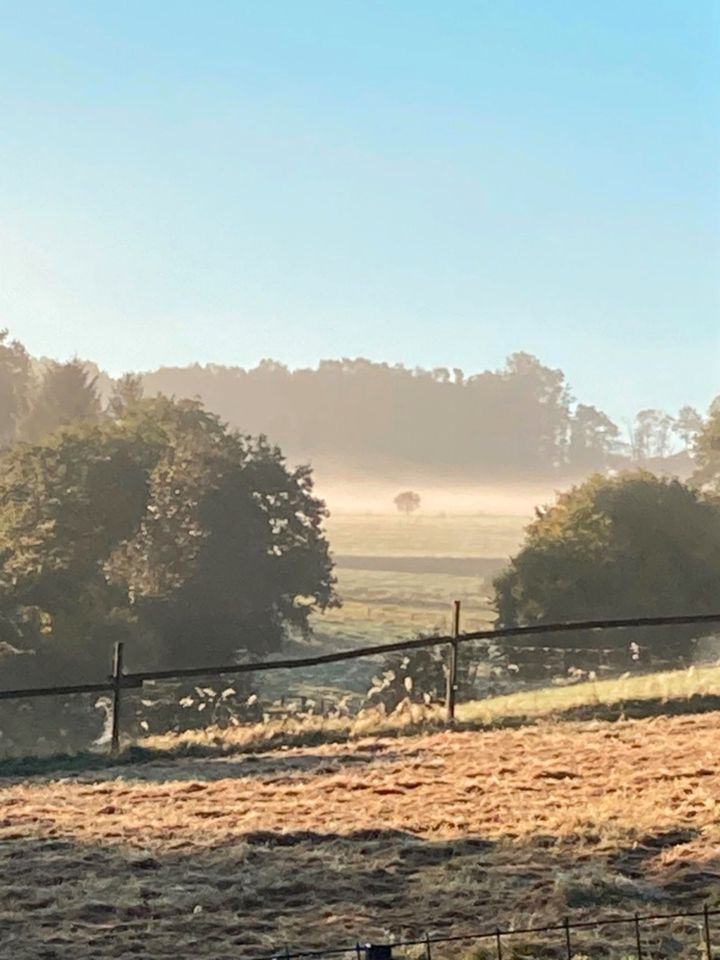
674	691
302	730
378	837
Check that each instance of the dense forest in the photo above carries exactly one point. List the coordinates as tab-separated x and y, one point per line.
521	421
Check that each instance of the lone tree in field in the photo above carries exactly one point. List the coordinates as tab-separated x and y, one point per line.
407	502
632	545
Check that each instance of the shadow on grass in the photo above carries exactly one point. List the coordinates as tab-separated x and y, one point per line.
217	747
639	709
259	893
213	748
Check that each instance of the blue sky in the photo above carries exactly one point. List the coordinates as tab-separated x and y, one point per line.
434	183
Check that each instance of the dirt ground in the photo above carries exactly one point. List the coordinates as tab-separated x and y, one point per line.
450	832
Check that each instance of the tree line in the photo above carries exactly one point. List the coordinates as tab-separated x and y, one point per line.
147	520
150	519
519	421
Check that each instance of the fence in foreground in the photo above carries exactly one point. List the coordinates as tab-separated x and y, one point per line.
630	934
120	680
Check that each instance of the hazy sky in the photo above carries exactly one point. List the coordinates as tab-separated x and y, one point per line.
438	183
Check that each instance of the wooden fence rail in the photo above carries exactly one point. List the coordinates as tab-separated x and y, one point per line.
120	680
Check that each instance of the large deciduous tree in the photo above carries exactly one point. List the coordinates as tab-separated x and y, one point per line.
192	541
687	425
127	390
632	545
651	435
594	438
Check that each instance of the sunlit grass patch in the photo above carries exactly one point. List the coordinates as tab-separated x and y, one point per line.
670	685
294	731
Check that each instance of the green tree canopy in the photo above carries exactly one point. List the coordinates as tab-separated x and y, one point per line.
193	541
651	434
632	545
67	394
594	438
687	425
707	451
15	384
127	390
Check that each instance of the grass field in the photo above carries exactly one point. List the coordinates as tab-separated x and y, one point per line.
383	605
451	535
308	832
398	576
379	838
640	696
671	686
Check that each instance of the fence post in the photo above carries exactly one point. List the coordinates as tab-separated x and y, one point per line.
568	946
453	665
638	941
378	951
706	924
117	666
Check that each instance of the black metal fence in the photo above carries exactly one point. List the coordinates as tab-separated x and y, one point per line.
630	935
120	680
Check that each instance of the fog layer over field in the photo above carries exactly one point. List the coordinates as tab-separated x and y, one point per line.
349	492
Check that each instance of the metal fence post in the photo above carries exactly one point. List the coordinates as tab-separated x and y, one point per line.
378	951
451	688
706	924
117	666
638	940
568	946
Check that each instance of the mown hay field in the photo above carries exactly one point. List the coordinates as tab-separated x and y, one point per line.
381	837
426	535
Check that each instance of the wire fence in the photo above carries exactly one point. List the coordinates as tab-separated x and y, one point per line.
120	682
637	942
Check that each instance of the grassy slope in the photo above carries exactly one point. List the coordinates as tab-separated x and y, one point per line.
672	692
657	688
235	855
315	846
696	690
